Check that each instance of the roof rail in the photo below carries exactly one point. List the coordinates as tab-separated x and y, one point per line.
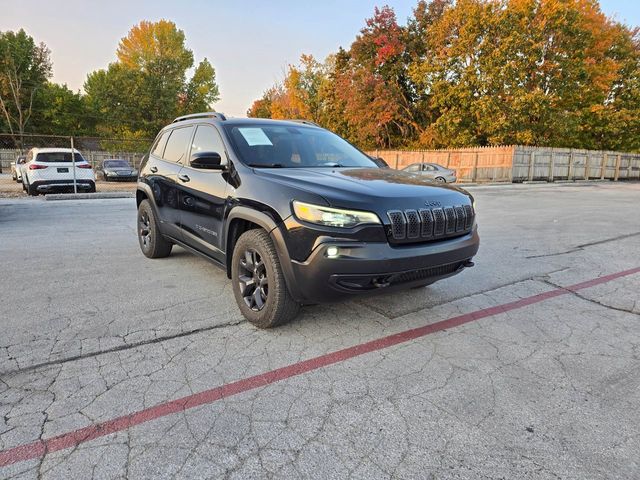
218	115
306	122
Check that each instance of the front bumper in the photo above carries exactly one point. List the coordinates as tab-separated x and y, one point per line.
118	177
370	268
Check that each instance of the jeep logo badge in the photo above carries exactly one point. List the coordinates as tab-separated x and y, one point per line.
432	203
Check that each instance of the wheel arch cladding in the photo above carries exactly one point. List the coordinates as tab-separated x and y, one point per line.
242	219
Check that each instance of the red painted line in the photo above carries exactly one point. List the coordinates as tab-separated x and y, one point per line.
71	439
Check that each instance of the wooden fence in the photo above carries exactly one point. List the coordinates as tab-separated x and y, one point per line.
531	163
519	163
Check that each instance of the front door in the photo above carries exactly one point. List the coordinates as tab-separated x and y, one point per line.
203	196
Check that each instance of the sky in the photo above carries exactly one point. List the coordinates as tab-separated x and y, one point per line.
250	43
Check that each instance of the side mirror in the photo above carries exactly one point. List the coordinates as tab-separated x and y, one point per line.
379	161
207	161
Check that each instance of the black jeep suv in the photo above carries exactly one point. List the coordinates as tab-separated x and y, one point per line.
296	215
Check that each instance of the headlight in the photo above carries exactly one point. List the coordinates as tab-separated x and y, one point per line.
332	217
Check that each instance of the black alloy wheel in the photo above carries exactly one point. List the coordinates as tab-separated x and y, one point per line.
151	241
259	285
253	280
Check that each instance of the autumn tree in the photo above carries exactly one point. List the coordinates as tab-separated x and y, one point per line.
519	71
147	87
476	72
297	96
374	87
24	70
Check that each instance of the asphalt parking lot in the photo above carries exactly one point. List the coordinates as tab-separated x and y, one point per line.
525	366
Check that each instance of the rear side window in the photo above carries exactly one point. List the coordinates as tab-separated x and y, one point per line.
158	148
177	145
52	157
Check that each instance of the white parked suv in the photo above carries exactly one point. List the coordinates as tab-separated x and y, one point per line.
51	169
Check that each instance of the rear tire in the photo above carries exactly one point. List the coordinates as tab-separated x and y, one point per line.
31	190
259	285
152	243
440	180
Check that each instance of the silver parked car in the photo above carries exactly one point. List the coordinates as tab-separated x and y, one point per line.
432	170
16	168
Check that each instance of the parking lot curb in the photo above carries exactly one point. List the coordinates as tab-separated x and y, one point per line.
88	196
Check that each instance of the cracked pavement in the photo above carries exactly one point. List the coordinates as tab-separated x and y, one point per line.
93	331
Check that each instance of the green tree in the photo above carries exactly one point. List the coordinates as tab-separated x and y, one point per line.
24	69
116	99
201	91
59	111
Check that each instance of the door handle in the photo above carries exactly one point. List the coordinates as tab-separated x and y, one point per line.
183	177
154	169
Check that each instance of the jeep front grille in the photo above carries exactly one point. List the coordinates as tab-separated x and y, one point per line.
412	226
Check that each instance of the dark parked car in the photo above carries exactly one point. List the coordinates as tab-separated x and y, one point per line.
296	215
118	169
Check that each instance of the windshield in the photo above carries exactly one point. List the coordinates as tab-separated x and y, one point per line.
291	146
115	163
53	157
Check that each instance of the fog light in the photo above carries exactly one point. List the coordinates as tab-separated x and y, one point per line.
332	252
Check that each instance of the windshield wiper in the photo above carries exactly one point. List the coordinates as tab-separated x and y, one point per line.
265	165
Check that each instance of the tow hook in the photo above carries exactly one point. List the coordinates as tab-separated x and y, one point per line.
468	264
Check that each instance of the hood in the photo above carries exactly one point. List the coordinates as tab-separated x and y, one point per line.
377	189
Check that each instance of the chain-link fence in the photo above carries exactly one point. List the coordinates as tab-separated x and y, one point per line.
69	163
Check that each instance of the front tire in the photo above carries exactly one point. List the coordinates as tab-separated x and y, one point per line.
259	285
152	243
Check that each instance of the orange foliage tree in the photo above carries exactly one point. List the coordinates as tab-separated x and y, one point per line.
475	72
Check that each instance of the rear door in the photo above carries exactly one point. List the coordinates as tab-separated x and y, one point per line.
165	162
430	171
204	196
